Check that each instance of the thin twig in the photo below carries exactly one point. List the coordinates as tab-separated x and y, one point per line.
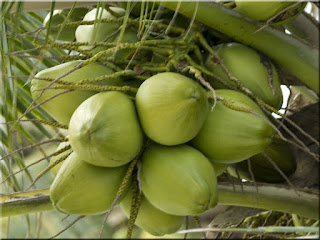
195	11
173	18
252	174
70	225
187	227
30	109
36	162
301	130
280	171
47	169
46	122
302	146
34	145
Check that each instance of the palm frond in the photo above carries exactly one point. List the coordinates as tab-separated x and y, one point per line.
16	74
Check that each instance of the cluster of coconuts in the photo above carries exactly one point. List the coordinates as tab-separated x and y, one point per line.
178	174
188	143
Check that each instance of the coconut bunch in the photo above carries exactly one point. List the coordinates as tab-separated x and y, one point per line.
189	145
172	136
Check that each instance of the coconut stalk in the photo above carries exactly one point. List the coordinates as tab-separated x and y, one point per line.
25	202
283	199
302	203
291	53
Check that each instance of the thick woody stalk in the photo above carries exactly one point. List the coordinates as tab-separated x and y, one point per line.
270	197
25	202
294	55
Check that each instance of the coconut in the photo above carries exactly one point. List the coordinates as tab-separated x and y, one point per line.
150	218
58	17
83	189
105	130
178	180
56	168
186	225
171	108
219	168
262	169
252	69
62	107
230	136
100	31
264	10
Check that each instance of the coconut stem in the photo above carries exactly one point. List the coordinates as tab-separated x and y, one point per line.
292	54
270	197
25	202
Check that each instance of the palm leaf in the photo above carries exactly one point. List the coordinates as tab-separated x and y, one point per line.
15	90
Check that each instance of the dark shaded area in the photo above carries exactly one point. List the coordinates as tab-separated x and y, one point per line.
307	173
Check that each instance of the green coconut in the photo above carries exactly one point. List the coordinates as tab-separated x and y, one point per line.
62	107
105	130
178	180
229	135
83	189
219	168
100	31
150	218
56	168
252	69
58	17
190	224
262	169
265	10
171	108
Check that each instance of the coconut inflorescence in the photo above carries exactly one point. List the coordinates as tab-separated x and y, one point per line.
61	107
165	130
